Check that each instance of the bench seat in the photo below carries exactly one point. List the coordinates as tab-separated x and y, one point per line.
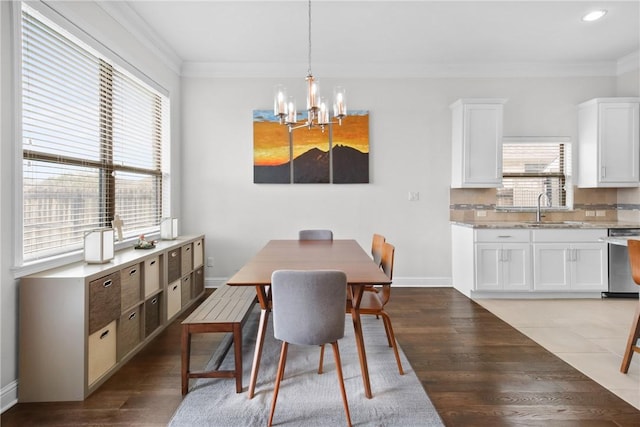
225	310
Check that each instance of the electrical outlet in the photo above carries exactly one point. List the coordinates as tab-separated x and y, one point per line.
589	213
481	213
210	261
414	196
601	213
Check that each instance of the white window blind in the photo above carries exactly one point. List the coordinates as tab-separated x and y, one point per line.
92	140
532	168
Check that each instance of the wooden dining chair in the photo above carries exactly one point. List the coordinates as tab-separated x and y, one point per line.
376	247
373	303
633	246
308	309
315	235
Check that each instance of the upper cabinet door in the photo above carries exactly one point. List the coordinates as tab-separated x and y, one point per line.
609	143
477	143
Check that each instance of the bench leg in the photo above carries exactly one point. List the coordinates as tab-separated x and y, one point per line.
186	353
262	329
237	350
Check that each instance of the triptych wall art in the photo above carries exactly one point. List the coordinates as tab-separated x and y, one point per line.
339	155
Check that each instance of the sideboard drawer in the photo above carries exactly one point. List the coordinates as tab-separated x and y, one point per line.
151	275
152	314
174	262
198	253
128	332
102	352
174	299
187	258
130	286
104	301
197	285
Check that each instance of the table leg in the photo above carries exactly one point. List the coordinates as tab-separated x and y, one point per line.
263	298
356	298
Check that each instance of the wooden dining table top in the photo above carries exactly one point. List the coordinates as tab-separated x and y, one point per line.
343	255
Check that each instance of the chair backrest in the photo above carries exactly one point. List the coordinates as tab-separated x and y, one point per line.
308	306
315	235
386	261
633	246
376	248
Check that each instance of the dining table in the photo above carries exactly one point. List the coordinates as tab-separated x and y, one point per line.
339	254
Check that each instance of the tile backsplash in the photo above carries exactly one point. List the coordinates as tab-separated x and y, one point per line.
589	204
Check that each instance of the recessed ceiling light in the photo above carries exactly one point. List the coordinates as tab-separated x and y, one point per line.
594	15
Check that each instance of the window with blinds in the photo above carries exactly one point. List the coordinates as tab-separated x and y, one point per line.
530	168
92	138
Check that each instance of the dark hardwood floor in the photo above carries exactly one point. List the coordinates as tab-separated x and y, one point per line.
477	370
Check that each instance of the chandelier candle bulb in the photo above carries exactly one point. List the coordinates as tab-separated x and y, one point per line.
340	102
313	94
323	116
279	103
291	111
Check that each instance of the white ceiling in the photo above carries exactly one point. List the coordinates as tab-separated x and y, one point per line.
393	37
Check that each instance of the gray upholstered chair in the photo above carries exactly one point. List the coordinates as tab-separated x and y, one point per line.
308	309
315	235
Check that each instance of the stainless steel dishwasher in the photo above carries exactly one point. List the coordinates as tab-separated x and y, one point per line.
621	283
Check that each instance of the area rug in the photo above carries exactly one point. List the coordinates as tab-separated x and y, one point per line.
307	398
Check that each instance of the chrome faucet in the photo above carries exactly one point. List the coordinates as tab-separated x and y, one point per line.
538	214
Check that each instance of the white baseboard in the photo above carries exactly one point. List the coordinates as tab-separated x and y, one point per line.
9	395
404	282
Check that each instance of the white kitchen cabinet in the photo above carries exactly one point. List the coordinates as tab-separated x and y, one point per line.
502	267
569	260
476	141
609	142
491	260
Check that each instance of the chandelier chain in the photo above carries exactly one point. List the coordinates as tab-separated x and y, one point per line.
309	59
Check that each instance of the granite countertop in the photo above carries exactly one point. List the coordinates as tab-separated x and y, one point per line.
547	224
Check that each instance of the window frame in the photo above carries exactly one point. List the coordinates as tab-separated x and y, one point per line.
38	9
568	166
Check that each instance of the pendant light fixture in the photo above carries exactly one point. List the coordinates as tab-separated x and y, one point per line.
317	107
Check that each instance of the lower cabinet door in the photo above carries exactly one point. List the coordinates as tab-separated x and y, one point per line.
129	332
102	352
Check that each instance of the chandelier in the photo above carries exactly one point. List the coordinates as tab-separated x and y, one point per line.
317	108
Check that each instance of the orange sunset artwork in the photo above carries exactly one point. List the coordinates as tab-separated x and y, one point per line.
305	155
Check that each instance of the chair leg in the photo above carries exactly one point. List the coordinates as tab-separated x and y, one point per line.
336	355
634	335
279	375
321	363
391	337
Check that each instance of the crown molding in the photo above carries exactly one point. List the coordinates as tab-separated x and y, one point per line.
138	27
385	70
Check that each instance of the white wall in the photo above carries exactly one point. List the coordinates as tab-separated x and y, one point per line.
410	133
94	20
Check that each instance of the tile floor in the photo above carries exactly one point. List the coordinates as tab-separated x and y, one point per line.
589	334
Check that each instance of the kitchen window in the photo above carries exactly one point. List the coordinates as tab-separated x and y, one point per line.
534	166
92	139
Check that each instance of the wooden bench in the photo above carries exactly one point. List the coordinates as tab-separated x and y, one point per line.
225	310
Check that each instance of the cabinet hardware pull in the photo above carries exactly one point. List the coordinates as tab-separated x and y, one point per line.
132	272
107	283
188	249
175	287
152	262
506	236
154	301
104	334
173	254
132	316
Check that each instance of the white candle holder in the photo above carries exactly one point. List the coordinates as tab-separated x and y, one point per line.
99	246
169	228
